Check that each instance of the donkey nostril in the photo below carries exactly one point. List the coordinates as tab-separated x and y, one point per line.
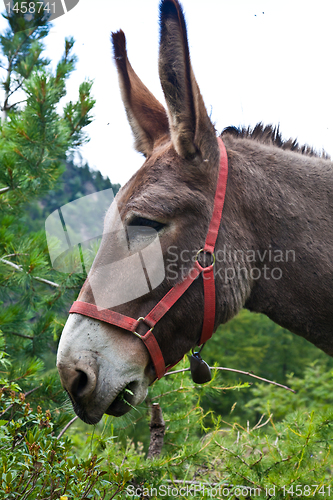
79	380
82	382
81	385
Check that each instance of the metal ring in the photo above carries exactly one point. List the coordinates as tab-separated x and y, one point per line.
137	334
141	318
211	253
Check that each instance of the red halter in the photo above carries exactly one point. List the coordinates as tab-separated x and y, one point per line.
163	306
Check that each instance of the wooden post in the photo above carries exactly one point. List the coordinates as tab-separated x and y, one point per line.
157	429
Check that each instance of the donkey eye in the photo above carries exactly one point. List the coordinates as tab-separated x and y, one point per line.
140	232
146	223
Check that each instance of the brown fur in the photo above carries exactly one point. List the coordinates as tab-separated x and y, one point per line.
277	199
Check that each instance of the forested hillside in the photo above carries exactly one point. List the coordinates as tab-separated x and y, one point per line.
73	183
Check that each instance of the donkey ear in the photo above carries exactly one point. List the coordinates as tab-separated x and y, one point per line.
147	117
192	132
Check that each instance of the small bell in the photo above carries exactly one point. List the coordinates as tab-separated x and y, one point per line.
200	371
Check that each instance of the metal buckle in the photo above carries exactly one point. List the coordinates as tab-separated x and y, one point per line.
207	252
138	334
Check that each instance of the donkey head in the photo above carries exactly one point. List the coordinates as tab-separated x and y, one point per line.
173	194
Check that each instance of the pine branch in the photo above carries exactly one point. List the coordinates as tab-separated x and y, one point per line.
232	453
14	255
15	266
19	268
259	424
47	282
21	335
238	371
18	86
9	69
15	104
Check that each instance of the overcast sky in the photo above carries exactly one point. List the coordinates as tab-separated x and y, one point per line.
254	60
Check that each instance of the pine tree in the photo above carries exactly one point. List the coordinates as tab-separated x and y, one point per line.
34	140
21	47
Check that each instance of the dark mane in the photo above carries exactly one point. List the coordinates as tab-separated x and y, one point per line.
271	135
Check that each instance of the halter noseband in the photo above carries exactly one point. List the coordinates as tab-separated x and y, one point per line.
163	306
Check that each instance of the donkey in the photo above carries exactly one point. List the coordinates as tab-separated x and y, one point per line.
273	249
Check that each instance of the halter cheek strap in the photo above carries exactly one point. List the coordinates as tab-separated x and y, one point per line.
165	304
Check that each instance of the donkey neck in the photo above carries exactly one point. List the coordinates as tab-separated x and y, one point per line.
277	226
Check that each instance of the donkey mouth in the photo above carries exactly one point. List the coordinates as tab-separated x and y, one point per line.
124	402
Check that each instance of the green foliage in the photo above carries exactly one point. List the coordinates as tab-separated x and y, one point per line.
253	343
313	390
224	434
293	453
35	463
36	139
269	460
263	346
